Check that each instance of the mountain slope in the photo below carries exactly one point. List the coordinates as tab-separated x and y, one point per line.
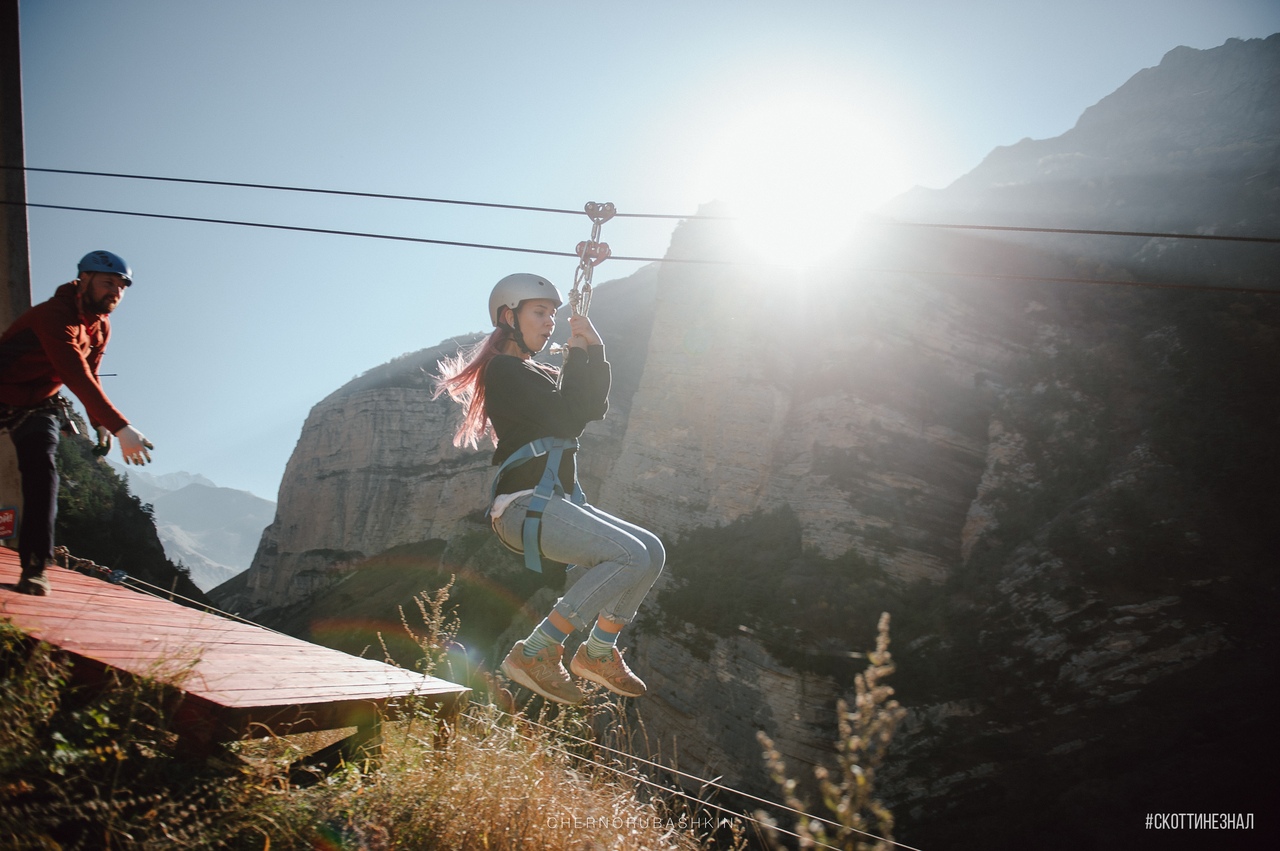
1189	146
100	520
212	531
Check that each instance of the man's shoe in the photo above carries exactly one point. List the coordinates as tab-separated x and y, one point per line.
611	672
542	673
35	584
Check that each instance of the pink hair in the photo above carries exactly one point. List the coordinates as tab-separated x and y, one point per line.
462	377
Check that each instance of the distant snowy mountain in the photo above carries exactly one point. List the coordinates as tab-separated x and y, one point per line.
147	487
212	530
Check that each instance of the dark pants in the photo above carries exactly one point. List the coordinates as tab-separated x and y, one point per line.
36	442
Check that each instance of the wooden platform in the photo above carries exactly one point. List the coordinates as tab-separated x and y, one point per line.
232	680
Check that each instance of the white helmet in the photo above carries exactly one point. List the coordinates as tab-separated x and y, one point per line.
513	289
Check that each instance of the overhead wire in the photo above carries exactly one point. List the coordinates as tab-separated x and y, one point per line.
1209	237
645	259
297	228
627	215
303	189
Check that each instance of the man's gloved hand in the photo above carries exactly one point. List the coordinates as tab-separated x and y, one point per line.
133	446
104	441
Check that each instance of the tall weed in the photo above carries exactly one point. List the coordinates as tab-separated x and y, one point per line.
858	820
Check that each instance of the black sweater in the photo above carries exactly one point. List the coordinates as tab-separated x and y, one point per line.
524	404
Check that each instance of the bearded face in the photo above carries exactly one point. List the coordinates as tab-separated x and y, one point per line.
101	292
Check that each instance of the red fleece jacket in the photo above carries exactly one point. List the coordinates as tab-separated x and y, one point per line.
53	344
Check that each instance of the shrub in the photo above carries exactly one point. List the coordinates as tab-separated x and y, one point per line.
861	821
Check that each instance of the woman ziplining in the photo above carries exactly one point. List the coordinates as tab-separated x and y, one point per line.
535	414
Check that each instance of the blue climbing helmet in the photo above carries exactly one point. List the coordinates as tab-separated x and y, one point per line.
106	261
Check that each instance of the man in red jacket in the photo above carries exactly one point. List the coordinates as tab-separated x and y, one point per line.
59	342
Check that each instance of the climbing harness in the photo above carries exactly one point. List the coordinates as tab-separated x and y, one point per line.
549	486
591	253
13	416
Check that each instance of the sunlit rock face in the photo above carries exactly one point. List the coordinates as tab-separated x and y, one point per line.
859	400
374	468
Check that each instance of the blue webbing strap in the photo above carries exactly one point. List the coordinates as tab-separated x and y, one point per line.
548	486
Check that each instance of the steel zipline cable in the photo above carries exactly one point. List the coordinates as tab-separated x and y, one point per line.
614	214
298	228
343	193
623	215
642	259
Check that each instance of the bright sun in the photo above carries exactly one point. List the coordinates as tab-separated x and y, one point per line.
800	173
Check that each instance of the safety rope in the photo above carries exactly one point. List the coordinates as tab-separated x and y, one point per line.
63	557
144	587
637	778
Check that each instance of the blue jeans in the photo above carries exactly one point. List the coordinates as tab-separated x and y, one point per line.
621	561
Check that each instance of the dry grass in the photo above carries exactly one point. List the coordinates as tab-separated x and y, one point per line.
501	784
99	769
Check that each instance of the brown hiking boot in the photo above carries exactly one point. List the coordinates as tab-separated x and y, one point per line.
542	674
34	580
611	672
35	584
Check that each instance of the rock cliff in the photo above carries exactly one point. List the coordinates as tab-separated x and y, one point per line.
1063	493
374	468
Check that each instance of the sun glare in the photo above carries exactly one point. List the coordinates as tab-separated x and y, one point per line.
799	174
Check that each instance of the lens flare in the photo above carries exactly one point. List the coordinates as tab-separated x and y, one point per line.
800	173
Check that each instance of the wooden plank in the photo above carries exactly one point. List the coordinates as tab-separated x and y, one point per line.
224	661
90	628
265	690
232	675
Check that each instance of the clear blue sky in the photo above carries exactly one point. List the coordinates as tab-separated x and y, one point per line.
231	334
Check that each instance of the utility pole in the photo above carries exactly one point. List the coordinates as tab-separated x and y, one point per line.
15	263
